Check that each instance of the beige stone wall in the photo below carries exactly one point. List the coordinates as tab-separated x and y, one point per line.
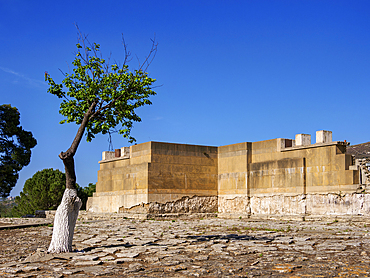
178	170
122	181
275	176
155	173
272	177
233	162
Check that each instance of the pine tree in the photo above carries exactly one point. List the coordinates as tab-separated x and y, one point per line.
43	191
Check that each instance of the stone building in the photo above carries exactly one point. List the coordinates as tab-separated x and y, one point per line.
254	179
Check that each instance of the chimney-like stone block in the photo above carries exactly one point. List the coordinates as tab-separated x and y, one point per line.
324	136
125	152
107	155
302	139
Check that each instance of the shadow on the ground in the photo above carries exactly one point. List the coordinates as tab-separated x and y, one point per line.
199	238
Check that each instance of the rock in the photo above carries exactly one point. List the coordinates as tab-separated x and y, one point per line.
136	267
86	258
85	263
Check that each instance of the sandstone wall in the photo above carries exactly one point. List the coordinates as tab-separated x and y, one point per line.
155	173
178	170
271	177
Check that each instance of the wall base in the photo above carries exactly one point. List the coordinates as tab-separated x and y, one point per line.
193	204
299	206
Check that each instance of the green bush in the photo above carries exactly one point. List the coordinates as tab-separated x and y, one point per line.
44	191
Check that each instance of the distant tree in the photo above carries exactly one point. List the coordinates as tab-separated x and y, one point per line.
84	193
43	191
6	207
15	148
99	97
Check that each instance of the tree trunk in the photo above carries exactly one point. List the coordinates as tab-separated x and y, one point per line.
65	222
67	212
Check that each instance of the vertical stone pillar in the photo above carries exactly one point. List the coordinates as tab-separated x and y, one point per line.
323	136
107	155
302	139
125	152
284	143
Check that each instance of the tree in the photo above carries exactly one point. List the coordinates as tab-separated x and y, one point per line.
43	191
98	97
15	148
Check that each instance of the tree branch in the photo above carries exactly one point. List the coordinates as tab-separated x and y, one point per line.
150	57
72	149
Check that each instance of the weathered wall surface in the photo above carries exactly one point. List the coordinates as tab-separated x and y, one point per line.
234	204
302	205
178	170
194	204
285	176
233	162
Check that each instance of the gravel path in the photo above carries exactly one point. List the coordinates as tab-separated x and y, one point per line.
192	248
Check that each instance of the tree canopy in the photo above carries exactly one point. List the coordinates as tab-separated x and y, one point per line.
107	93
43	191
15	148
100	97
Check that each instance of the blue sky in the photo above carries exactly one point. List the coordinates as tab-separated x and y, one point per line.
230	71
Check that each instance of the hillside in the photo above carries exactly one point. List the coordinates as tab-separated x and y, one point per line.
360	150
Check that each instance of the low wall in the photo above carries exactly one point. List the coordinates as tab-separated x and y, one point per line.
109	202
300	205
194	204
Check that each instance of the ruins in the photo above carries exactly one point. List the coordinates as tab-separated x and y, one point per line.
272	178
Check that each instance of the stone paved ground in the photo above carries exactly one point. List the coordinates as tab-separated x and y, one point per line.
210	247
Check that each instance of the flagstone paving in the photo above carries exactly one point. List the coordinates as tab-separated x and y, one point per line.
209	247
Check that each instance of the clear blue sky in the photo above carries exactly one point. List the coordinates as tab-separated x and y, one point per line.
231	71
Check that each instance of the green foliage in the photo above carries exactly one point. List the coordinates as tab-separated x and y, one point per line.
15	148
113	92
6	208
44	191
84	193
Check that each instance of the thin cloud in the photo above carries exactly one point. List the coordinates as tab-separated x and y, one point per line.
32	82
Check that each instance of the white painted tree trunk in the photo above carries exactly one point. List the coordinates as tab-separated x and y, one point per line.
65	222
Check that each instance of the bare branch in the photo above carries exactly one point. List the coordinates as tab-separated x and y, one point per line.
82	38
107	64
150	57
127	53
